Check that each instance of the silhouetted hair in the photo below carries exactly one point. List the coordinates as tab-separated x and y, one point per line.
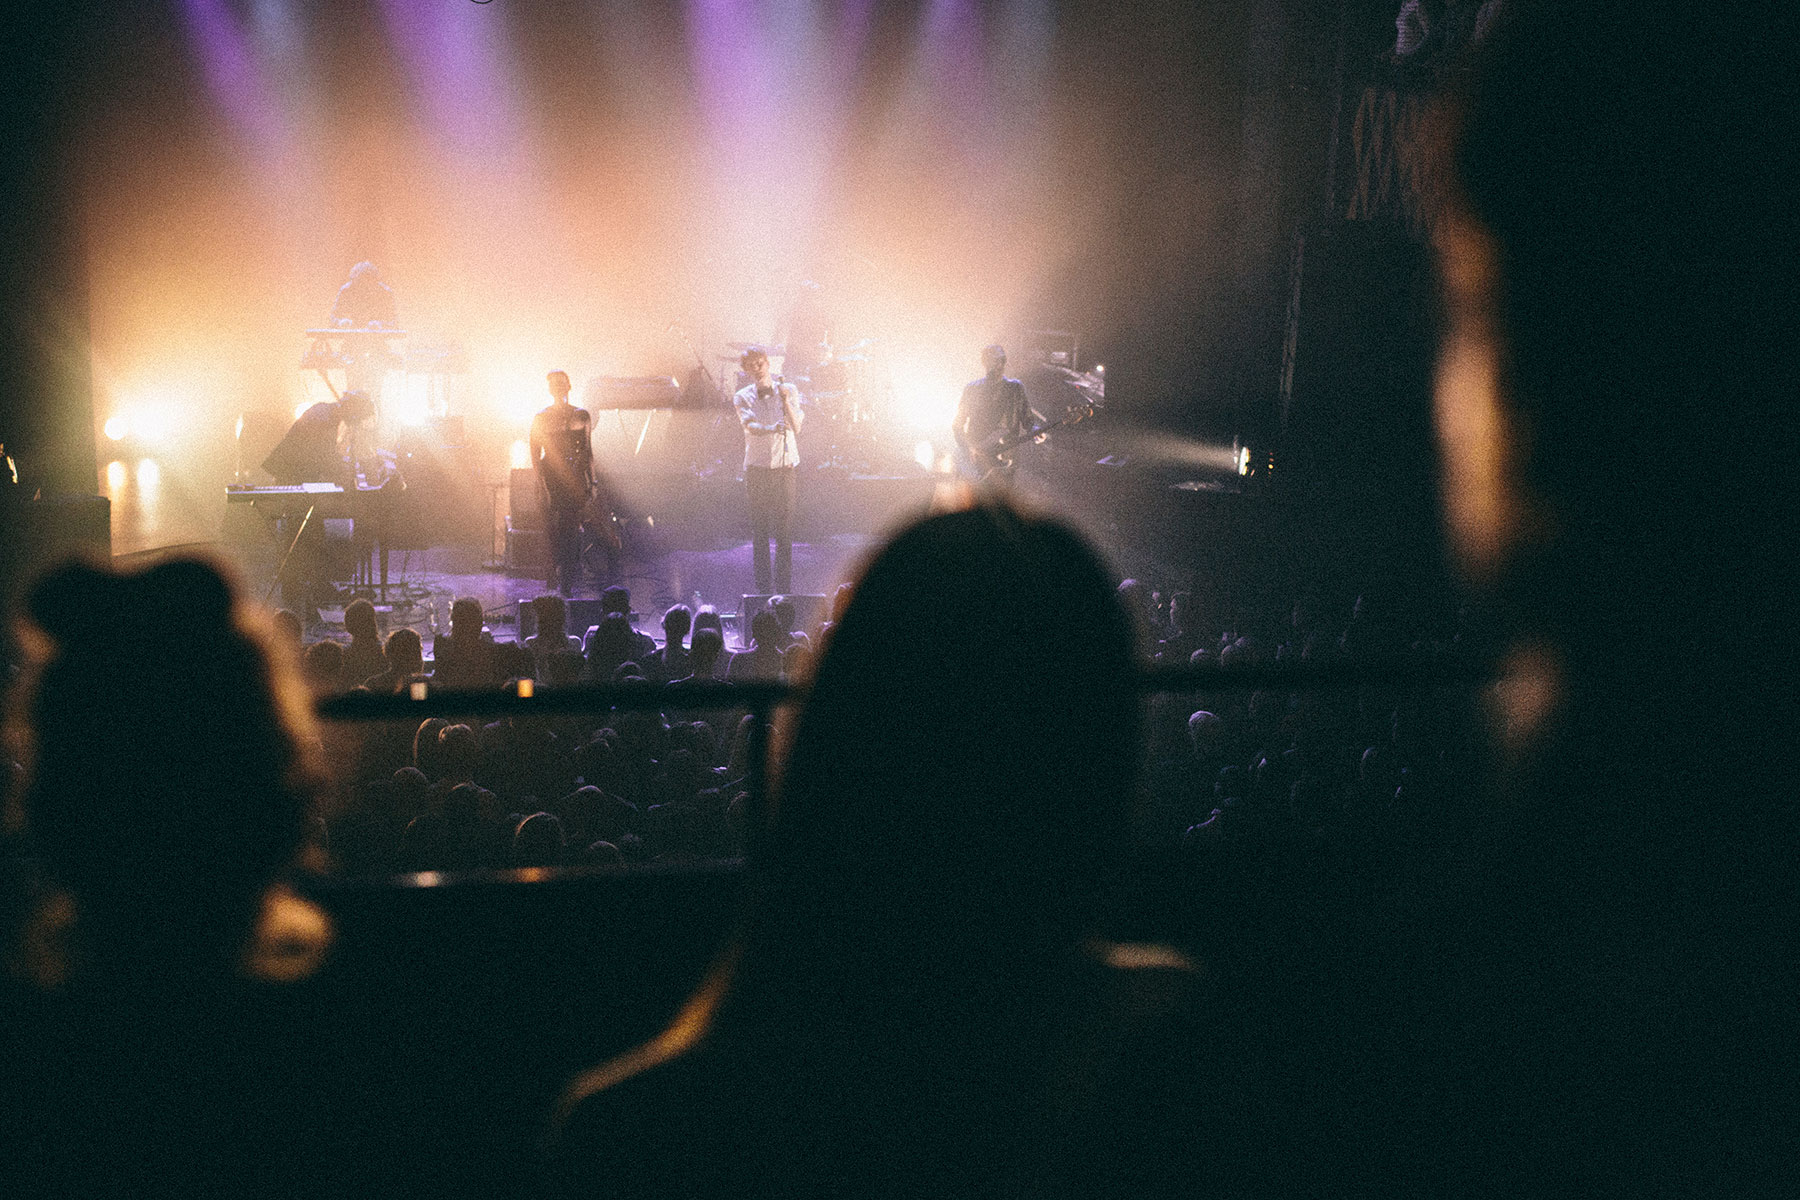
956	781
404	649
167	761
704	652
465	615
552	616
359	619
355	407
765	628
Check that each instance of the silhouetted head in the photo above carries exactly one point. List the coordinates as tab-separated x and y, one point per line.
1625	176
355	408
459	752
538	841
359	620
676	623
765	628
167	770
552	616
404	651
704	653
610	644
425	754
465	617
324	666
616	599
968	776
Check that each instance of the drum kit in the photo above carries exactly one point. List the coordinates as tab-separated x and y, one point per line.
842	388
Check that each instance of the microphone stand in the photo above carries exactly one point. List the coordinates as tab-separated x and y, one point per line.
787	413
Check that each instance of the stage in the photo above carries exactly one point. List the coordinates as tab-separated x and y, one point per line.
682	537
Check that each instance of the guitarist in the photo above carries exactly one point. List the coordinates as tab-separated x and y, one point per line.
993	409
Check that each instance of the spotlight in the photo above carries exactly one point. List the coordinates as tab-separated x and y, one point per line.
115	475
1243	460
521	455
117	427
925	455
412	406
925	394
151	422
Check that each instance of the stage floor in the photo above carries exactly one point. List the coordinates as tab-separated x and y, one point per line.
687	536
423	584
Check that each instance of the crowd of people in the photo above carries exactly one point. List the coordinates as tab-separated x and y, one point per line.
671	784
616	788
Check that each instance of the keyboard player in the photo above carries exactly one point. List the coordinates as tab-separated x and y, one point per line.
308	453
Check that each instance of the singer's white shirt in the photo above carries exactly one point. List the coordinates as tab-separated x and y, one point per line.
757	413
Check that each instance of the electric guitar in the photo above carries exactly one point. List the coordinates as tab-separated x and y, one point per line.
994	460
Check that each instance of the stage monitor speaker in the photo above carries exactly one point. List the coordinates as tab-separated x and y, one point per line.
809	613
526	550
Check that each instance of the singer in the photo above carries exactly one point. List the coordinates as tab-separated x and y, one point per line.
769	410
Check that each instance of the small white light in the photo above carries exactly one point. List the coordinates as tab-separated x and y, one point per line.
521	455
149	474
1099	368
117	427
924	454
115	475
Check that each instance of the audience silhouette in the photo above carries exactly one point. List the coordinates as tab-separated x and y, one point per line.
914	1005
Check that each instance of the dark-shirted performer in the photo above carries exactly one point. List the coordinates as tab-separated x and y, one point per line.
364	302
992	409
309	453
562	453
769	410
